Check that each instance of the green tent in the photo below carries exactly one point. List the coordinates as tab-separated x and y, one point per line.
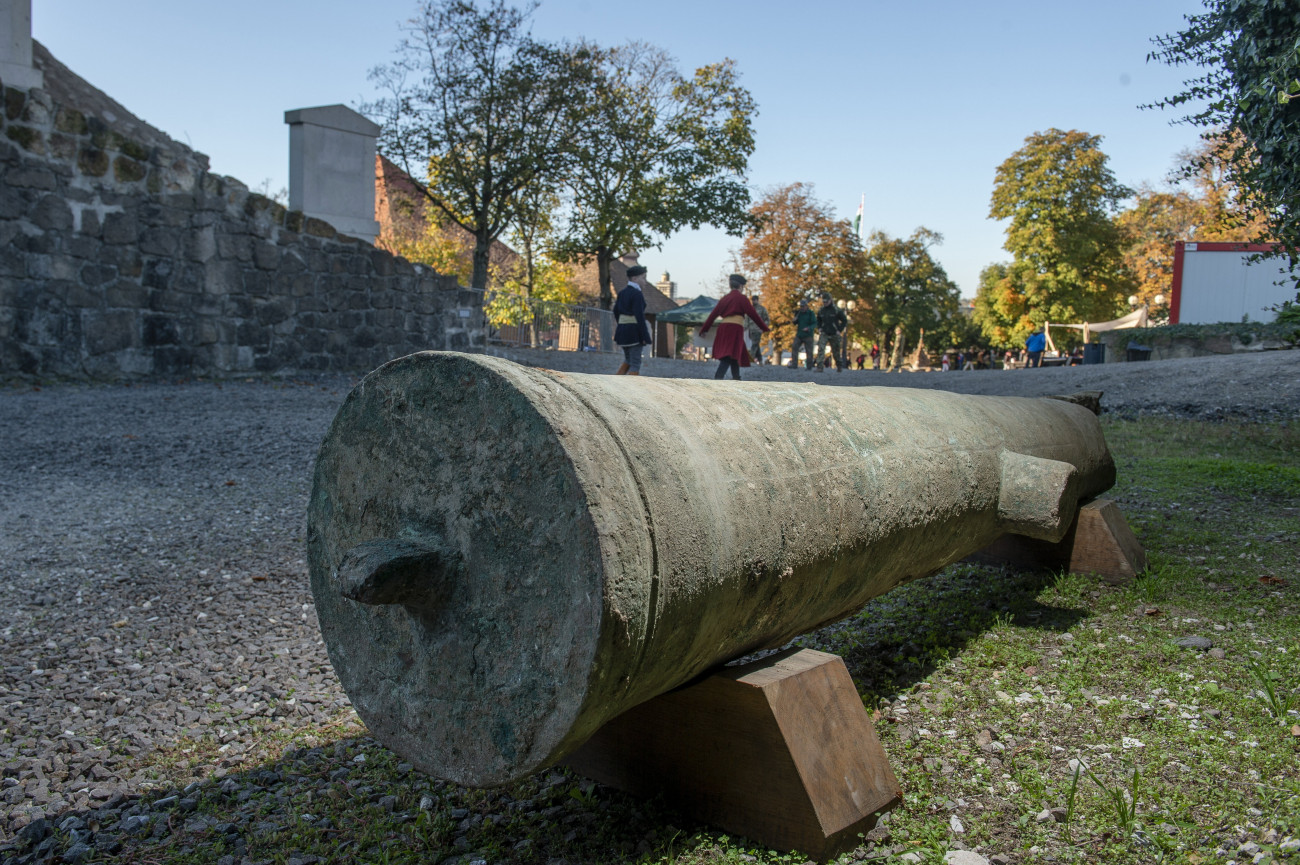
692	314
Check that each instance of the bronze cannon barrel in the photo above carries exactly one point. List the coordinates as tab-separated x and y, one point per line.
504	558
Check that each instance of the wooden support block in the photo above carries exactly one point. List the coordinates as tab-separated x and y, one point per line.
780	750
1100	542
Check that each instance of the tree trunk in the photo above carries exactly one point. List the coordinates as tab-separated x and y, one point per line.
482	251
603	258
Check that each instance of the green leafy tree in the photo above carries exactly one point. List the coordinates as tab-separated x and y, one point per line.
797	250
481	111
1249	56
910	287
658	152
1059	196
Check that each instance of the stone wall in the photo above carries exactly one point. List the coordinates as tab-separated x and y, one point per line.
1200	340
122	255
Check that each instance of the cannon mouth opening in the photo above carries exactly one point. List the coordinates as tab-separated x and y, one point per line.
451	563
393	571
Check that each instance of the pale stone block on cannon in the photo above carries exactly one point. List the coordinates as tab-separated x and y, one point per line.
505	558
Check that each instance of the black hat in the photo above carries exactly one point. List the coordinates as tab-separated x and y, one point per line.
635	270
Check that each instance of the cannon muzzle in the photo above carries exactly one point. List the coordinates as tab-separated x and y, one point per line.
504	558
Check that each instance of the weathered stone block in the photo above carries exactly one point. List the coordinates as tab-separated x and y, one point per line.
159	330
84	247
103	332
160	241
273	312
200	244
70	121
90	224
238	307
14	102
157	273
97	274
63	147
253	335
236	246
171	301
52	214
381	262
127	294
135	150
206	332
172	360
293	221
127	259
265	255
29	139
120	228
31	177
319	228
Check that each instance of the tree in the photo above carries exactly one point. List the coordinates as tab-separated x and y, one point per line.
796	250
481	111
1059	195
1207	206
1251	87
910	287
659	152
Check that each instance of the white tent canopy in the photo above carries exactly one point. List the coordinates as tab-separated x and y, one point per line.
1137	318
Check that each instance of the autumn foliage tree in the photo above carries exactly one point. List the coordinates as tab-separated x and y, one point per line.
1207	205
797	250
1059	196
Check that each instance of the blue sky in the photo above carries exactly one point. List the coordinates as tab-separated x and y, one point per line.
914	104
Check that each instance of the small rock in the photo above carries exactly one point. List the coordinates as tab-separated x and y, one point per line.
1212	713
999	859
1217	654
1250	848
1045	816
1289	845
426	802
1199	643
910	857
35	831
388	803
166	802
964	857
955	825
78	852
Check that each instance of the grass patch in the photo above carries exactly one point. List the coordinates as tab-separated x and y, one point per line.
1001	696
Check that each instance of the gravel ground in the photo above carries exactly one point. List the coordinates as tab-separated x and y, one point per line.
152	556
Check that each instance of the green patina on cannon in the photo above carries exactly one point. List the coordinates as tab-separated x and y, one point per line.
505	558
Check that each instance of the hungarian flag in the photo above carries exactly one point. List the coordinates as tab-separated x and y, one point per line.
857	220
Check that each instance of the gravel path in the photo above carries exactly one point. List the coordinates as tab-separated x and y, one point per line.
152	555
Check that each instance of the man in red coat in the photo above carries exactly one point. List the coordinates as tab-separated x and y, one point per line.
729	345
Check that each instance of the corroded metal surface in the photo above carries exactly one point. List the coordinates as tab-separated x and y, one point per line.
504	558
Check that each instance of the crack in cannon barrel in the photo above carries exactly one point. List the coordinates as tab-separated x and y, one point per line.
505	558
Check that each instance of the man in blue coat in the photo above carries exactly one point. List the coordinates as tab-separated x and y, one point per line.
632	332
1034	347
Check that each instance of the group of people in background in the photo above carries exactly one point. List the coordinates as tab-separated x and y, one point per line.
741	320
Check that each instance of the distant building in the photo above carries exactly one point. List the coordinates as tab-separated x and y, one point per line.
403	214
966	306
667	286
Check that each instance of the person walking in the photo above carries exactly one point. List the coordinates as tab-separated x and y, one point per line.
1034	347
805	324
754	333
730	312
875	355
632	331
831	323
